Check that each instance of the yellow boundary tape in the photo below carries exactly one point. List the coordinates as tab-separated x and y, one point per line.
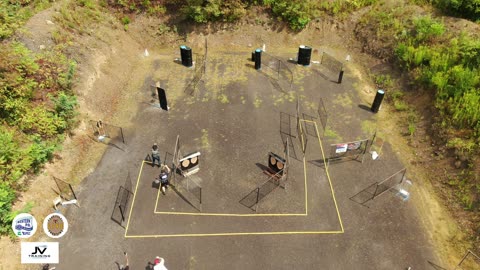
241	215
231	234
134	196
304	147
252	215
328	174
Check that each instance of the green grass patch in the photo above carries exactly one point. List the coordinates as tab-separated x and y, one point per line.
331	134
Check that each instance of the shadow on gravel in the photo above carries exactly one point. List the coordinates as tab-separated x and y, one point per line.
183	197
435	266
364	107
261	166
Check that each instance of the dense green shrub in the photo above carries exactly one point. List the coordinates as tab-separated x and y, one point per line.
152	7
36	105
65	108
426	29
469	9
203	11
449	66
7	196
39	120
297	13
13	13
40	151
13	158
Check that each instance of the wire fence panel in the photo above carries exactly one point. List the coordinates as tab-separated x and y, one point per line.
278	71
389	183
331	63
322	114
302	137
287	140
309	125
122	206
470	261
260	192
286	124
200	70
191	190
106	133
65	189
377	143
348	150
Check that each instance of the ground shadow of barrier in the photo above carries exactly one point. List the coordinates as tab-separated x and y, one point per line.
435	266
364	107
200	70
273	82
309	126
252	199
389	184
280	76
318	162
188	189
469	261
122	202
333	66
321	74
184	198
108	134
286	133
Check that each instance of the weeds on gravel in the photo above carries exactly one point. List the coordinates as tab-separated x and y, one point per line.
13	14
78	18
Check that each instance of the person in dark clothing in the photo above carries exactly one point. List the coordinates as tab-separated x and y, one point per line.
155	155
164	178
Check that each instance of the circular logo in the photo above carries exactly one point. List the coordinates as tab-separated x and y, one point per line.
55	225
24	225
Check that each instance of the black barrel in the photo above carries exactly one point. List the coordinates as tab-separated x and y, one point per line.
304	55
377	101
258	59
186	55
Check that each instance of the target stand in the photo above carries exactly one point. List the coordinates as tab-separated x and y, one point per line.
189	164
276	167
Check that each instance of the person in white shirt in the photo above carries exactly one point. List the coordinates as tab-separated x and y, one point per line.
159	264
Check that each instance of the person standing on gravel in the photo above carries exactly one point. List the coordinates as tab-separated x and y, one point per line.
155	155
159	264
